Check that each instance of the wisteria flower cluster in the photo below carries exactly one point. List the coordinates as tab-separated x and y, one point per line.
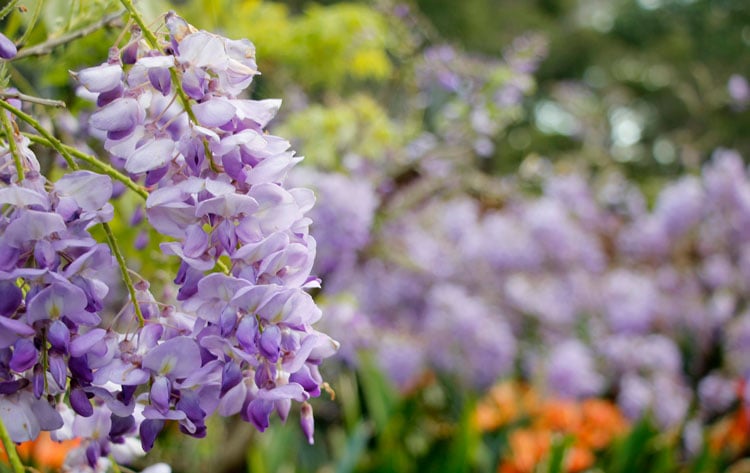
472	98
588	290
239	338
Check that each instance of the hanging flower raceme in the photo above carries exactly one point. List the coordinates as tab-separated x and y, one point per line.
171	114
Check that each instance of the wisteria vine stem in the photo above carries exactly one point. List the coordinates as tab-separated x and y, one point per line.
154	43
10	450
48	46
32	99
124	270
12	146
53	142
100	166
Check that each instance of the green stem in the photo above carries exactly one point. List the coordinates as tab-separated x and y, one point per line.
45	358
92	161
10	449
8	8
222	267
48	46
115	466
53	142
32	23
153	41
32	99
147	33
12	145
124	270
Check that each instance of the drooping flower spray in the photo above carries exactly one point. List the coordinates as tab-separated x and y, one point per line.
239	338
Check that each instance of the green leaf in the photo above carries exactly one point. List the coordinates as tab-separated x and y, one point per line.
379	396
355	447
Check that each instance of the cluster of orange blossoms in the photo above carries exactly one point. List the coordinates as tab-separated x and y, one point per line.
730	435
43	452
590	425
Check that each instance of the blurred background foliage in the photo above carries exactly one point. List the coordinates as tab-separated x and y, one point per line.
643	88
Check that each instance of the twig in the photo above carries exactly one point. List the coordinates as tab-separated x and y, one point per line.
32	99
46	47
12	146
153	41
54	142
124	270
32	23
100	166
10	450
8	8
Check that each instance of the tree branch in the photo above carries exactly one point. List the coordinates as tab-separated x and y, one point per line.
32	99
46	47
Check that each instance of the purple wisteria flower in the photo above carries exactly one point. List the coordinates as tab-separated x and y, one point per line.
53	281
240	336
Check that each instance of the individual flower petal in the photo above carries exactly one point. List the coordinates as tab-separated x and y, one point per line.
214	113
154	154
89	190
10	298
176	358
121	115
25	355
80	403
83	344
55	301
307	422
23	197
33	225
203	50
160	392
8	49
102	78
259	111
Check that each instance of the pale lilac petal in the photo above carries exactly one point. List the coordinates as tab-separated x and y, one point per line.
160	393
32	225
55	301
102	78
214	113
23	197
231	403
253	252
121	115
203	49
177	358
152	155
307	422
157	62
259	111
272	169
82	344
89	190
227	205
175	248
286	391
8	49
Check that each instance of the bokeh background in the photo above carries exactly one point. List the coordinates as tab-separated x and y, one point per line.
533	227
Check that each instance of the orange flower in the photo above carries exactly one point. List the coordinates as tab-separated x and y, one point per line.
578	458
731	434
44	452
505	403
560	415
602	421
487	417
590	424
527	448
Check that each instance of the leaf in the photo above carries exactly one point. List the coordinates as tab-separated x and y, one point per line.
355	447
